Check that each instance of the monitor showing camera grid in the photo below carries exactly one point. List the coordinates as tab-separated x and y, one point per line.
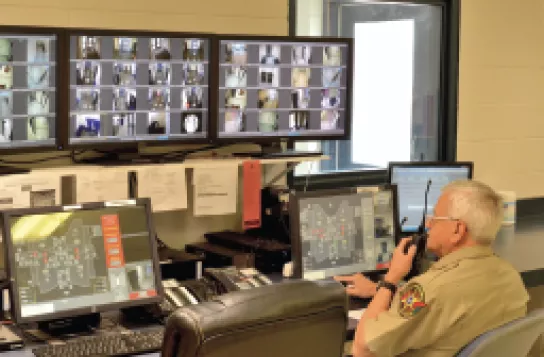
271	88
138	88
27	90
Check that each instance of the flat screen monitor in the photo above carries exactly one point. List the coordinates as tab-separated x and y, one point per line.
70	261
128	87
286	87
411	180
346	231
28	94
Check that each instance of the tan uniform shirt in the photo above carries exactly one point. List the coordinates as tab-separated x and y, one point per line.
463	295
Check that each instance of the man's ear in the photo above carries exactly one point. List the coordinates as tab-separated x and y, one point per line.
460	232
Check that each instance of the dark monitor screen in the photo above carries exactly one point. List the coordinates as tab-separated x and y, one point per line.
283	88
139	88
71	262
343	231
27	90
411	181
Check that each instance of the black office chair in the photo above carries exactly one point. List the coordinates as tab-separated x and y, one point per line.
292	319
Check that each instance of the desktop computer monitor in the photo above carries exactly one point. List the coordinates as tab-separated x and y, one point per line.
411	180
345	231
128	87
283	87
28	89
78	260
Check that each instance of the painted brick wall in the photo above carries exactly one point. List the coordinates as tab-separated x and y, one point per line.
501	93
224	16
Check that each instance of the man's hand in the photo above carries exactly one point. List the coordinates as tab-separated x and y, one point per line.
401	263
358	285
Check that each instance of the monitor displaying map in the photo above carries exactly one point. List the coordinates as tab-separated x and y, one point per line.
344	233
65	261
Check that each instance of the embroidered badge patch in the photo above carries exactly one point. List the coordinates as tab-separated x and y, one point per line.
412	300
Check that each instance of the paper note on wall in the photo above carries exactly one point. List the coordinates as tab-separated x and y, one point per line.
215	190
35	189
165	185
102	184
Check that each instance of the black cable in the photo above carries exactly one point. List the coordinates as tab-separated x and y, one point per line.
44	159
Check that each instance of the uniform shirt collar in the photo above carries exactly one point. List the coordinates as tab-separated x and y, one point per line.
477	251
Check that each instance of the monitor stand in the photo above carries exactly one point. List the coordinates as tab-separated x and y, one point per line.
75	325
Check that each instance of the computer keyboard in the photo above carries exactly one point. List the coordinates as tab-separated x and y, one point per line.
108	344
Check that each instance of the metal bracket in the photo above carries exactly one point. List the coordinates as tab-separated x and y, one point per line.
290	167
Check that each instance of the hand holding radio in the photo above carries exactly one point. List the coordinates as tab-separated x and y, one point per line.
401	264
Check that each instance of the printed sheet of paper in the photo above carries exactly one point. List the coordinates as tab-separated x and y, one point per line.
102	184
35	189
165	185
215	190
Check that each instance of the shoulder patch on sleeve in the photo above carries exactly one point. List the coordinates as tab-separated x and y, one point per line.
412	300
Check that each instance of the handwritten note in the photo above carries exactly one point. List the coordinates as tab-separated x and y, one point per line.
102	184
165	185
215	190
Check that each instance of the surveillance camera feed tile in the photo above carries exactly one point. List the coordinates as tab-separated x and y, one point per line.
125	89
27	90
346	233
282	89
83	258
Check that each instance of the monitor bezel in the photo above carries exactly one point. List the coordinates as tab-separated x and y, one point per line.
10	261
294	220
58	33
257	139
421	164
111	145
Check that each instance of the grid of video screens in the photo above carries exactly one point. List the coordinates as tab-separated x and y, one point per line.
27	90
138	88
281	89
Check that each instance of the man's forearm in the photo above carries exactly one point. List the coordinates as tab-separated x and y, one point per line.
380	303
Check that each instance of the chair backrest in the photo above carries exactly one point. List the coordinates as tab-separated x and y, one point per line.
291	319
514	339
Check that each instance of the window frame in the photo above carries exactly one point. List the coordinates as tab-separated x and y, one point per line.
447	123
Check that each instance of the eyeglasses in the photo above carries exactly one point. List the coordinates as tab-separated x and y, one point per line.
430	220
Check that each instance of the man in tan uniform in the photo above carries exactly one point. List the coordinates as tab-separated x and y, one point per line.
467	292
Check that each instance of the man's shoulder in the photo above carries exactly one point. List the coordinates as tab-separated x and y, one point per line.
494	273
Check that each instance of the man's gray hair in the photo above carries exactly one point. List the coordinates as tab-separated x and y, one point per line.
478	206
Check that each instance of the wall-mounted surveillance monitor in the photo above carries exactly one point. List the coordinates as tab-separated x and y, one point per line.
283	87
132	87
28	82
